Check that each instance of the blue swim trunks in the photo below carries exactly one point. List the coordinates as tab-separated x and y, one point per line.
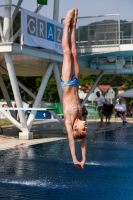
73	81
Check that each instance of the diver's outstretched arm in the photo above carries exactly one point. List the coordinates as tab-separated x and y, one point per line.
72	144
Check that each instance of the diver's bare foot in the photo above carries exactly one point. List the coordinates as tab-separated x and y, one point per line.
74	19
69	17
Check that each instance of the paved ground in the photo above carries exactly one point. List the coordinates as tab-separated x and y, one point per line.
50	130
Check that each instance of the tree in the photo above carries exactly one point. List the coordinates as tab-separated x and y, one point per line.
86	79
8	86
129	82
51	93
17	26
113	79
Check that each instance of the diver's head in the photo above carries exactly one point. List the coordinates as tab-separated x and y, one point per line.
80	128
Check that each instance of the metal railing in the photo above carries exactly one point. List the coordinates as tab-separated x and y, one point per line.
103	30
104	37
91	30
14	25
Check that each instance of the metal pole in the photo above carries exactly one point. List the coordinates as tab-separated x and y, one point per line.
7	20
1	33
9	64
40	94
15	89
42	103
16	10
17	124
57	77
131	32
92	88
6	96
119	31
56	10
89	37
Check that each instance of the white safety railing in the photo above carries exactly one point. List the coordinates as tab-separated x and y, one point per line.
14	23
103	30
91	30
15	108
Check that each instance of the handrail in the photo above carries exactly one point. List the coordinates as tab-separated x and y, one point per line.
7	5
15	108
95	16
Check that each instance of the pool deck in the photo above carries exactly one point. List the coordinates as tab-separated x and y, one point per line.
51	130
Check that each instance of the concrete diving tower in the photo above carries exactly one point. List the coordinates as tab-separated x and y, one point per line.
101	48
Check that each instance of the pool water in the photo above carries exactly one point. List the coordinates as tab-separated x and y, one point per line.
45	171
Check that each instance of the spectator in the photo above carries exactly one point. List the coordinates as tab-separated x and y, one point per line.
100	102
108	111
84	111
121	111
130	110
27	113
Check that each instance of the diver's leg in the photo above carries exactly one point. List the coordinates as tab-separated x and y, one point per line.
67	62
121	116
75	66
106	119
124	116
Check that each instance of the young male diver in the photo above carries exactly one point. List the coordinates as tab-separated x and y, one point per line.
76	128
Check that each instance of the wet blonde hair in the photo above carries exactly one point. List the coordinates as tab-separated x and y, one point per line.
79	134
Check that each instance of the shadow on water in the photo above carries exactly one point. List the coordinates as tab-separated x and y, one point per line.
45	171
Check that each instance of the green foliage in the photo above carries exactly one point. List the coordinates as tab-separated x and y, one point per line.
17	25
29	82
8	86
86	79
38	82
129	81
113	79
51	93
130	102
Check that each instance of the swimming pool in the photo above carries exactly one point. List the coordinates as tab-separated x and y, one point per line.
45	171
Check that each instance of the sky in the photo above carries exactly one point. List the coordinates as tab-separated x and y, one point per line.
86	7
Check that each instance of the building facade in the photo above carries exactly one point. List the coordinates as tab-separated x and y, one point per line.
106	90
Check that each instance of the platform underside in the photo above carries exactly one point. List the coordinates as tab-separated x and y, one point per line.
29	61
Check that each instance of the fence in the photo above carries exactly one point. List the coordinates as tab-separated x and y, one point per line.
92	111
103	30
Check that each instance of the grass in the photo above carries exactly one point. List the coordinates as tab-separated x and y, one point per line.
5	122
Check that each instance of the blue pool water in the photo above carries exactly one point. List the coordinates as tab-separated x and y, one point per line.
45	171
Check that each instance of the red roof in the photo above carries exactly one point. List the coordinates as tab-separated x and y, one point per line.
104	88
121	87
87	87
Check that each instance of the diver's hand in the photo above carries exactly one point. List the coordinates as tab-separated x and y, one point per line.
77	164
82	163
